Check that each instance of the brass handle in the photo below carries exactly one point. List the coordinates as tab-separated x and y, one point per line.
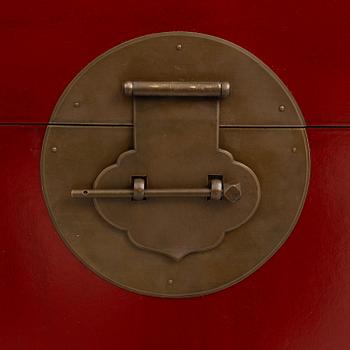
217	191
177	88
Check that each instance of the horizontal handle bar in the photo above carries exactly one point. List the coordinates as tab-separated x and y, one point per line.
169	192
217	191
177	88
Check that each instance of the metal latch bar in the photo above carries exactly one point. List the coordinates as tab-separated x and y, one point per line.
177	88
217	191
125	193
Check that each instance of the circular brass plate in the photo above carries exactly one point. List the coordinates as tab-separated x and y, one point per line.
92	125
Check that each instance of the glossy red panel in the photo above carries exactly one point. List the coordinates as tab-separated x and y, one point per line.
300	299
45	44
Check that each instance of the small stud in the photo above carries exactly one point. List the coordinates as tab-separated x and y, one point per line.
282	108
294	149
76	104
179	47
170	281
74	236
54	149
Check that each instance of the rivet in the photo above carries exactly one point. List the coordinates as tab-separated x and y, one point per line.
170	281
282	108
54	149
179	47
74	236
294	149
76	104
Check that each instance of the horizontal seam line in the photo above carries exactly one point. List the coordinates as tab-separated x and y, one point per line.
223	126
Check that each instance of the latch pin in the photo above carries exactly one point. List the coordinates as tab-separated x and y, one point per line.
217	191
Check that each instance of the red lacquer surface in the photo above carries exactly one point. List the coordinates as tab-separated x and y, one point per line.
44	44
299	300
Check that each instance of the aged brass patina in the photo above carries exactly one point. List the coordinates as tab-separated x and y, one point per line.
175	145
175	165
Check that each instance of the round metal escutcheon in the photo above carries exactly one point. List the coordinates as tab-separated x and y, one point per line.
259	124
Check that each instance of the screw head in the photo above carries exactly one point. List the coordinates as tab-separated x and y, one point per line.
54	149
179	47
76	104
294	149
170	281
282	108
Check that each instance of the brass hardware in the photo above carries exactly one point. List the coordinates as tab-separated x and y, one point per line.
216	192
175	88
138	192
192	139
158	126
282	108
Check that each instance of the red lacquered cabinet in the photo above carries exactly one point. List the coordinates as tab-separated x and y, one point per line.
299	299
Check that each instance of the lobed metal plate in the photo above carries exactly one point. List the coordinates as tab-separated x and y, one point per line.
74	154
